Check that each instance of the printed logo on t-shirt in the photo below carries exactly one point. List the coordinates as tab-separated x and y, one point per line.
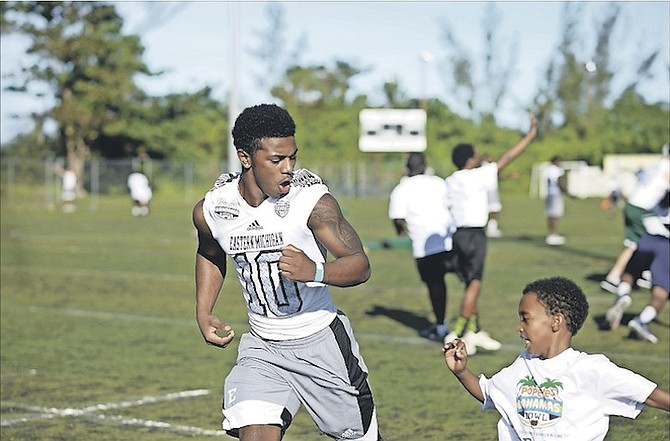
539	406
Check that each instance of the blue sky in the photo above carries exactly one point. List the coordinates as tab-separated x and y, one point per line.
192	43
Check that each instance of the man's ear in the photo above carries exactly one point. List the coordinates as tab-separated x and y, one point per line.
244	158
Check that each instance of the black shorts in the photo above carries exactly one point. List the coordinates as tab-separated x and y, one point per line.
639	262
435	266
470	249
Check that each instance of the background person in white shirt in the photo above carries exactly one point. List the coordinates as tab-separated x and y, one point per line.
653	183
69	188
495	206
467	198
418	209
653	254
140	193
554	205
553	391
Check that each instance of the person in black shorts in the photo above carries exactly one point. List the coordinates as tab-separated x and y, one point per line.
467	196
418	209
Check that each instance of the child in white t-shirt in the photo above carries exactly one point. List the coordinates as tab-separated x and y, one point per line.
553	391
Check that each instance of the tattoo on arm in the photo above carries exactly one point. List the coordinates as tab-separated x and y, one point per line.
327	214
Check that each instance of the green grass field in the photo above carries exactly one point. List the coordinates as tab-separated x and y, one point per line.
99	340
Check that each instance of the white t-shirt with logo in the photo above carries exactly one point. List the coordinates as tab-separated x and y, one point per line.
568	397
467	194
421	201
278	308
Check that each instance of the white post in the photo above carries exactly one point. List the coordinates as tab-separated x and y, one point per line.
425	57
233	162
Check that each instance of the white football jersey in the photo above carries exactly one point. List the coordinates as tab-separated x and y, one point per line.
278	308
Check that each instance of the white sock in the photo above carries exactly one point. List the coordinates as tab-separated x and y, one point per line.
648	314
613	280
442	328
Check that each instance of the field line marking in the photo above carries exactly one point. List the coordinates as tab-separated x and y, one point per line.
113	316
191	430
94	411
97	273
69	411
361	336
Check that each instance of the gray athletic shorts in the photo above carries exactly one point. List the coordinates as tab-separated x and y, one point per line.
554	206
324	372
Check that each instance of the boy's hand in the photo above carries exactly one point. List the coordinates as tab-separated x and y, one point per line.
455	355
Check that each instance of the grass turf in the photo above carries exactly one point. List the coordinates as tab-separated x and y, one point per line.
97	323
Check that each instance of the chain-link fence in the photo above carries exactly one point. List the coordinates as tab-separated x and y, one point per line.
35	179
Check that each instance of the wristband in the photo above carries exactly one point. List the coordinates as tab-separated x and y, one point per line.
318	275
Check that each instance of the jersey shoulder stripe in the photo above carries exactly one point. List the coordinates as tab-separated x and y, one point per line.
305	178
225	178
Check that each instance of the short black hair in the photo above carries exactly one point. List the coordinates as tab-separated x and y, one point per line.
461	153
416	163
261	121
559	294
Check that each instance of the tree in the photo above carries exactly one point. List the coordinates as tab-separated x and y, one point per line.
578	105
86	62
176	126
319	100
316	85
271	46
272	51
481	93
395	97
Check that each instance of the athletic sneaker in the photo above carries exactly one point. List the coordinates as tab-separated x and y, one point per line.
555	239
645	280
615	313
450	337
433	333
609	286
470	347
481	339
642	330
493	233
